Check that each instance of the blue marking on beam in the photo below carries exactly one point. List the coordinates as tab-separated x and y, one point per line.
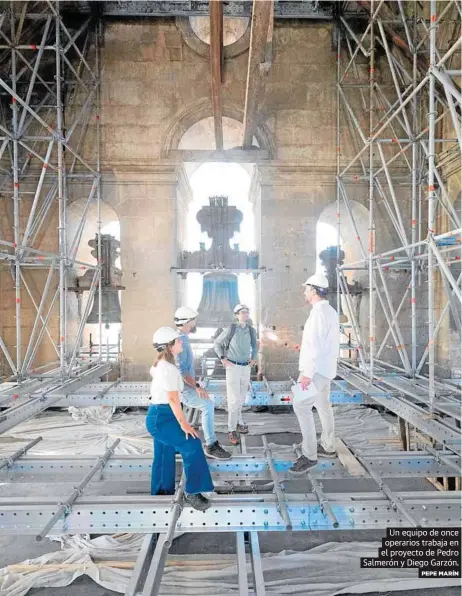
339	397
264	399
318	521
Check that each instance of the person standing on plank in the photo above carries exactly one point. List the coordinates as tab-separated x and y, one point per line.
237	349
170	430
194	395
319	353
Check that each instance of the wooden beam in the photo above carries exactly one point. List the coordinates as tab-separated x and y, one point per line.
348	460
261	12
230	155
216	64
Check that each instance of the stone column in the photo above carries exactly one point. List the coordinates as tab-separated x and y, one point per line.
292	198
146	203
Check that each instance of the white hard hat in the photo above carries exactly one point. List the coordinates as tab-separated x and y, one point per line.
163	336
239	307
184	314
318	280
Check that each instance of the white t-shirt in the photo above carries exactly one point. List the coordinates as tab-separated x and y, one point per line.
165	377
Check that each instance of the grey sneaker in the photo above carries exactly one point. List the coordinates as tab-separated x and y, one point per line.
216	451
301	466
198	501
323	453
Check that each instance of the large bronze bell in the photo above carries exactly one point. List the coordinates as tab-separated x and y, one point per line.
110	308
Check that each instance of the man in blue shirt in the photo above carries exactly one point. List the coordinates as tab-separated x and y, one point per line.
194	395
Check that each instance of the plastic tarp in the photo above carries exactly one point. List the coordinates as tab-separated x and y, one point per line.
326	570
89	431
329	569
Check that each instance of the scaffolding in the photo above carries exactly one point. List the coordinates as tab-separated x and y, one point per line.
50	103
50	96
398	95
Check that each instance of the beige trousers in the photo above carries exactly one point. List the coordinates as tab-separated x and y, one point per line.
237	385
304	413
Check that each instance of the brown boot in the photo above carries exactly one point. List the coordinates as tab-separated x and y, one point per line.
243	429
233	438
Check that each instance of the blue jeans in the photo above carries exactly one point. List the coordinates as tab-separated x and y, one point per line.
207	408
169	438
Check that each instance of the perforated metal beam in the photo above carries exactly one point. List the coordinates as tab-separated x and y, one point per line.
146	514
128	468
137	395
408	411
41	400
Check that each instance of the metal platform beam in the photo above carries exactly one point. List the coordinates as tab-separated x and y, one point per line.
41	400
135	394
147	514
130	468
416	416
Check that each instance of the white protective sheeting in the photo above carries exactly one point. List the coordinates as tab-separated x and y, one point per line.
326	570
89	431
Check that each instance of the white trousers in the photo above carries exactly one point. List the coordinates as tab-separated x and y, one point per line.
304	413
237	385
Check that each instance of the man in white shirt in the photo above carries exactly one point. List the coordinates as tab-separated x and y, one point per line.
318	366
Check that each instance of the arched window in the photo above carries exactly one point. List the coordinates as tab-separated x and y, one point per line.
351	239
110	225
233	181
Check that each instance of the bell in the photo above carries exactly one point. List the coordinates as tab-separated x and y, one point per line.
330	259
110	307
219	296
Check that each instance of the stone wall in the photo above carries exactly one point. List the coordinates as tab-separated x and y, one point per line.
154	88
150	77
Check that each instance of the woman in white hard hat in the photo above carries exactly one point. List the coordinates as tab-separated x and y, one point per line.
171	432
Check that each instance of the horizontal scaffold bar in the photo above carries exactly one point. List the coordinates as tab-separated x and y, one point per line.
144	514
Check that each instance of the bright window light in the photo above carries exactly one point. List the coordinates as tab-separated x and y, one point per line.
326	235
232	181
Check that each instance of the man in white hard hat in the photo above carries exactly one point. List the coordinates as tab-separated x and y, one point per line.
318	366
236	347
194	395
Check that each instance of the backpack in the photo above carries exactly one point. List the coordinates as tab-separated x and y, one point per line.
232	331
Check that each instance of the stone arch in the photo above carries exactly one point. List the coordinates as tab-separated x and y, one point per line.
350	242
203	109
201	48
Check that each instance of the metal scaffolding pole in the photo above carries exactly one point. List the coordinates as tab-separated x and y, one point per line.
372	330
403	110
431	205
50	115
